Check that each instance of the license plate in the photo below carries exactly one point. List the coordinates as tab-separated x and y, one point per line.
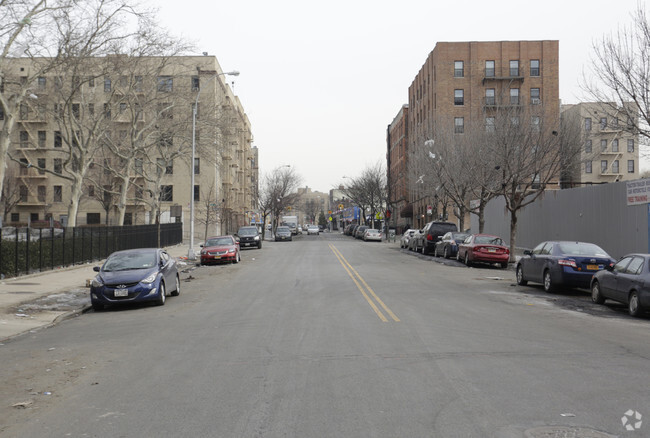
593	268
217	257
121	292
492	250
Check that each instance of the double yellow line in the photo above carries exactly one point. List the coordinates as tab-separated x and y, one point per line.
361	283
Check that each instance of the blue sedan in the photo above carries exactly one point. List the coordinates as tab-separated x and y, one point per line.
135	275
560	263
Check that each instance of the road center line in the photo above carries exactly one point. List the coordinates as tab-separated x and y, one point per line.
360	285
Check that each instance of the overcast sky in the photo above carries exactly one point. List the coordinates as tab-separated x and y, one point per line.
321	81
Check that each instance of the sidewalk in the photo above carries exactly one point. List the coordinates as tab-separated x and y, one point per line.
20	311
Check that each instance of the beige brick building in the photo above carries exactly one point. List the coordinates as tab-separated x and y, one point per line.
128	121
462	83
609	152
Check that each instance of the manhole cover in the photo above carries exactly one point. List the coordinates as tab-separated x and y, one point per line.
565	432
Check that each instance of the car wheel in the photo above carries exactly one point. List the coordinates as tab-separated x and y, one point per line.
446	253
237	258
596	296
259	245
162	294
548	282
424	248
458	256
97	307
177	291
467	262
520	276
634	306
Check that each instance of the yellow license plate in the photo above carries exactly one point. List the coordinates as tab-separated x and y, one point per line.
592	268
217	257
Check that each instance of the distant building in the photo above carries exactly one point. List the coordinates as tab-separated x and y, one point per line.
609	150
397	140
310	206
465	82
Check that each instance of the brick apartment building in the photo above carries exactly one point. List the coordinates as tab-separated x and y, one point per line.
463	83
609	151
120	103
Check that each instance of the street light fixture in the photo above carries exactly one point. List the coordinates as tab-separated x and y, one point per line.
191	255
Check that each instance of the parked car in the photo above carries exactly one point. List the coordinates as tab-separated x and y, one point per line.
404	240
220	249
447	247
372	234
313	229
428	236
627	281
299	229
483	248
135	275
249	237
283	233
562	263
353	230
358	233
413	241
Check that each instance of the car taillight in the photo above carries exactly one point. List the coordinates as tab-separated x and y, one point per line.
429	237
567	262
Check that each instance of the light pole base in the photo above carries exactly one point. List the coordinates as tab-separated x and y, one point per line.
191	255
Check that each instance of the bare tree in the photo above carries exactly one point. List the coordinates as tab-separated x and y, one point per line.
206	212
10	193
369	190
279	191
620	74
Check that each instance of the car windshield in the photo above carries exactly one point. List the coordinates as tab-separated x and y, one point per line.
489	240
457	236
130	260
247	232
372	231
581	249
283	229
219	241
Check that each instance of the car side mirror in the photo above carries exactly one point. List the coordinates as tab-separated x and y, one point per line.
610	267
528	252
96	268
201	245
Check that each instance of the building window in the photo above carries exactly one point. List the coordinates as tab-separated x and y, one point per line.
459	69
167	193
603	123
58	165
58	140
534	67
42	83
197	166
122	107
490	97
91	81
489	124
91	109
603	145
603	166
23	192
15	217
165	83
128	218
58	194
41	193
197	195
41	166
588	147
33	217
588	124
615	166
91	191
514	68
93	218
138	84
459	125
139	166
169	167
615	145
107	85
587	166
630	145
514	96
489	69
630	166
24	139
42	139
195	83
107	111
534	121
459	98
75	110
534	96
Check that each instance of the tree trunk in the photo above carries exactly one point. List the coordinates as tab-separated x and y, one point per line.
5	141
73	207
513	233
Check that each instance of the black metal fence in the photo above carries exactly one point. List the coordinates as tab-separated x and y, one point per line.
28	250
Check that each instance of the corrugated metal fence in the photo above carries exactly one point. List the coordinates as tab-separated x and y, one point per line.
597	214
28	250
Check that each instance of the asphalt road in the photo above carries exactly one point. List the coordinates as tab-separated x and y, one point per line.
327	336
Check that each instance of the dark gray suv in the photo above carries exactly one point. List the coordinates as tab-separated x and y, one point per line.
249	237
430	235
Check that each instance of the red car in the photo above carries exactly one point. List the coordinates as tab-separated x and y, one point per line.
483	248
220	249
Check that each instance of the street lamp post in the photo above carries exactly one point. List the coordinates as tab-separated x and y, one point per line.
191	255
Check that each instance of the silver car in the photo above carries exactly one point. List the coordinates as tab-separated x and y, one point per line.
404	240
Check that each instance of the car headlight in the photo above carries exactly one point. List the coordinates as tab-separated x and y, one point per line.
231	250
257	238
97	282
151	278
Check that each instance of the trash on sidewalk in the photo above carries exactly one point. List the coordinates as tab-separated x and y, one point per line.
22	405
